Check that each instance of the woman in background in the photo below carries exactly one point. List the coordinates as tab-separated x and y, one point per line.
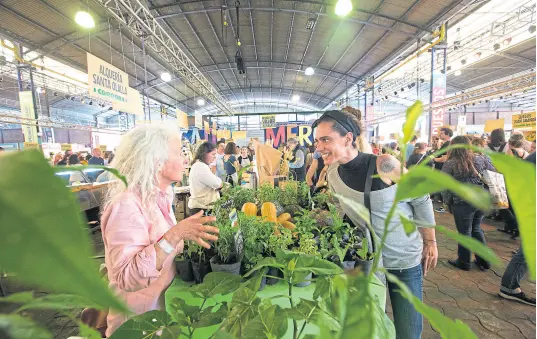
231	164
204	184
516	146
245	158
419	155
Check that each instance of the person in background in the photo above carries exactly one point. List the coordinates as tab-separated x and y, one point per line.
516	271
64	161
478	142
516	146
96	158
315	170
204	185
76	176
82	160
445	138
88	157
407	257
410	147
466	167
419	155
251	150
231	164
245	158
297	161
375	149
220	170
394	148
140	233
309	156
57	158
237	151
497	141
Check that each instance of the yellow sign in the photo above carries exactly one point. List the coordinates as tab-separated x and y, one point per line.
27	109
268	121
105	81
206	126
182	118
393	136
102	148
524	120
239	135
66	147
491	125
198	120
529	135
133	105
28	145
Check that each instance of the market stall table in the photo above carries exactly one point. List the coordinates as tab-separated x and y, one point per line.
179	289
182	192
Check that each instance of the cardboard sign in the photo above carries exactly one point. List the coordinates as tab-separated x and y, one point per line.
182	118
491	125
66	147
524	120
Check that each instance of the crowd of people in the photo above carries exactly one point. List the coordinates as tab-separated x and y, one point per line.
82	158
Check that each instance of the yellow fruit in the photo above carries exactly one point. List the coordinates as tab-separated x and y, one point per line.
250	209
268	210
289	225
284	217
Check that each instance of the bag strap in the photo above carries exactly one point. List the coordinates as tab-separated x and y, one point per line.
367	192
502	147
419	161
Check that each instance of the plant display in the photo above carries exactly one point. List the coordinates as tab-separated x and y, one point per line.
255	235
225	246
288	193
268	211
342	305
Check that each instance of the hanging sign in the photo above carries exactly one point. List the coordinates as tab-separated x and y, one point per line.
28	145
529	135
461	124
28	111
491	125
182	118
281	134
206	127
239	135
439	94
133	105
524	120
66	147
268	121
105	81
369	112
198	122
102	148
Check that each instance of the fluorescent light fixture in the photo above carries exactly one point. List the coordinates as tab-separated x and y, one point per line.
458	72
166	77
295	98
84	19
39	90
309	71
343	7
201	102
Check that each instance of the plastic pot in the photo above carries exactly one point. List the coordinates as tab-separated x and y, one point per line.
348	265
263	283
184	269
364	265
200	270
305	283
273	271
228	268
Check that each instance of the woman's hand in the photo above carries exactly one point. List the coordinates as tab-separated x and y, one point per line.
193	228
429	256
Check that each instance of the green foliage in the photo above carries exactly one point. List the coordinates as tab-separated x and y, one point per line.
266	193
412	115
520	180
225	245
304	194
15	326
362	252
322	199
148	326
307	245
279	242
446	327
238	196
271	322
88	332
470	243
216	283
255	237
306	221
408	225
289	194
47	237
50	301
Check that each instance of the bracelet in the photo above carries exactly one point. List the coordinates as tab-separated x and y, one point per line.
429	240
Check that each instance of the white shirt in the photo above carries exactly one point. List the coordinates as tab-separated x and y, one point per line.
203	185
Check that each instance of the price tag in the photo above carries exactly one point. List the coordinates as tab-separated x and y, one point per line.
234	218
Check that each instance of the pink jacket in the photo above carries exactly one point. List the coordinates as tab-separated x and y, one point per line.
129	238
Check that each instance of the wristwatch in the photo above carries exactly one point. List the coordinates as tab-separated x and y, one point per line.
165	245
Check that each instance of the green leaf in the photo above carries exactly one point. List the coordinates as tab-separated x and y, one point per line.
412	115
114	171
216	283
303	310
183	313
171	332
46	237
311	263
145	326
244	307
220	334
408	225
51	301
421	181
18	298
322	287
88	332
271	322
520	181
473	245
19	327
266	262
447	327
360	209
209	318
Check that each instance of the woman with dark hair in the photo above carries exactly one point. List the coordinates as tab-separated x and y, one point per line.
466	167
64	161
516	146
419	155
231	164
369	179
204	185
73	160
497	141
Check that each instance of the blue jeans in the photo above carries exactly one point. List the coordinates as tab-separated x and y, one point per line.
408	322
515	271
468	221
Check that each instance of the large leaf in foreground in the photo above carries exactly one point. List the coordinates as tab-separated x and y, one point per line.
51	301
150	325
217	283
473	245
412	115
44	235
269	323
421	181
447	327
520	180
19	327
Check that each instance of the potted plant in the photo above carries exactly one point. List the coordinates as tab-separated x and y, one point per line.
200	265
226	258
280	242
363	258
308	246
183	266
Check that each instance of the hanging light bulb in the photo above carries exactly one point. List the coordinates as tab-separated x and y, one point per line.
166	77
458	72
343	7
201	102
295	98
309	71
84	19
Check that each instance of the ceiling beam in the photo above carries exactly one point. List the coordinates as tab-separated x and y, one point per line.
322	3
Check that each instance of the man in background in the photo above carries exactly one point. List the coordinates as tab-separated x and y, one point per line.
96	158
445	136
220	171
410	147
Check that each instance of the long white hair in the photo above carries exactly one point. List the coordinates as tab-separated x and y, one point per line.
139	157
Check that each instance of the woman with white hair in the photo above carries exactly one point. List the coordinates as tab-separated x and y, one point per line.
141	236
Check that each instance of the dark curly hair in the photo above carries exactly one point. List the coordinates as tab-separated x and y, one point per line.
202	150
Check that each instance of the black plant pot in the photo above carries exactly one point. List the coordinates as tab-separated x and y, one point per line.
273	271
263	283
305	283
365	265
200	270
234	268
348	265
184	270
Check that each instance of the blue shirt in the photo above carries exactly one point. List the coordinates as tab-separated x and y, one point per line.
228	165
409	151
299	160
96	161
